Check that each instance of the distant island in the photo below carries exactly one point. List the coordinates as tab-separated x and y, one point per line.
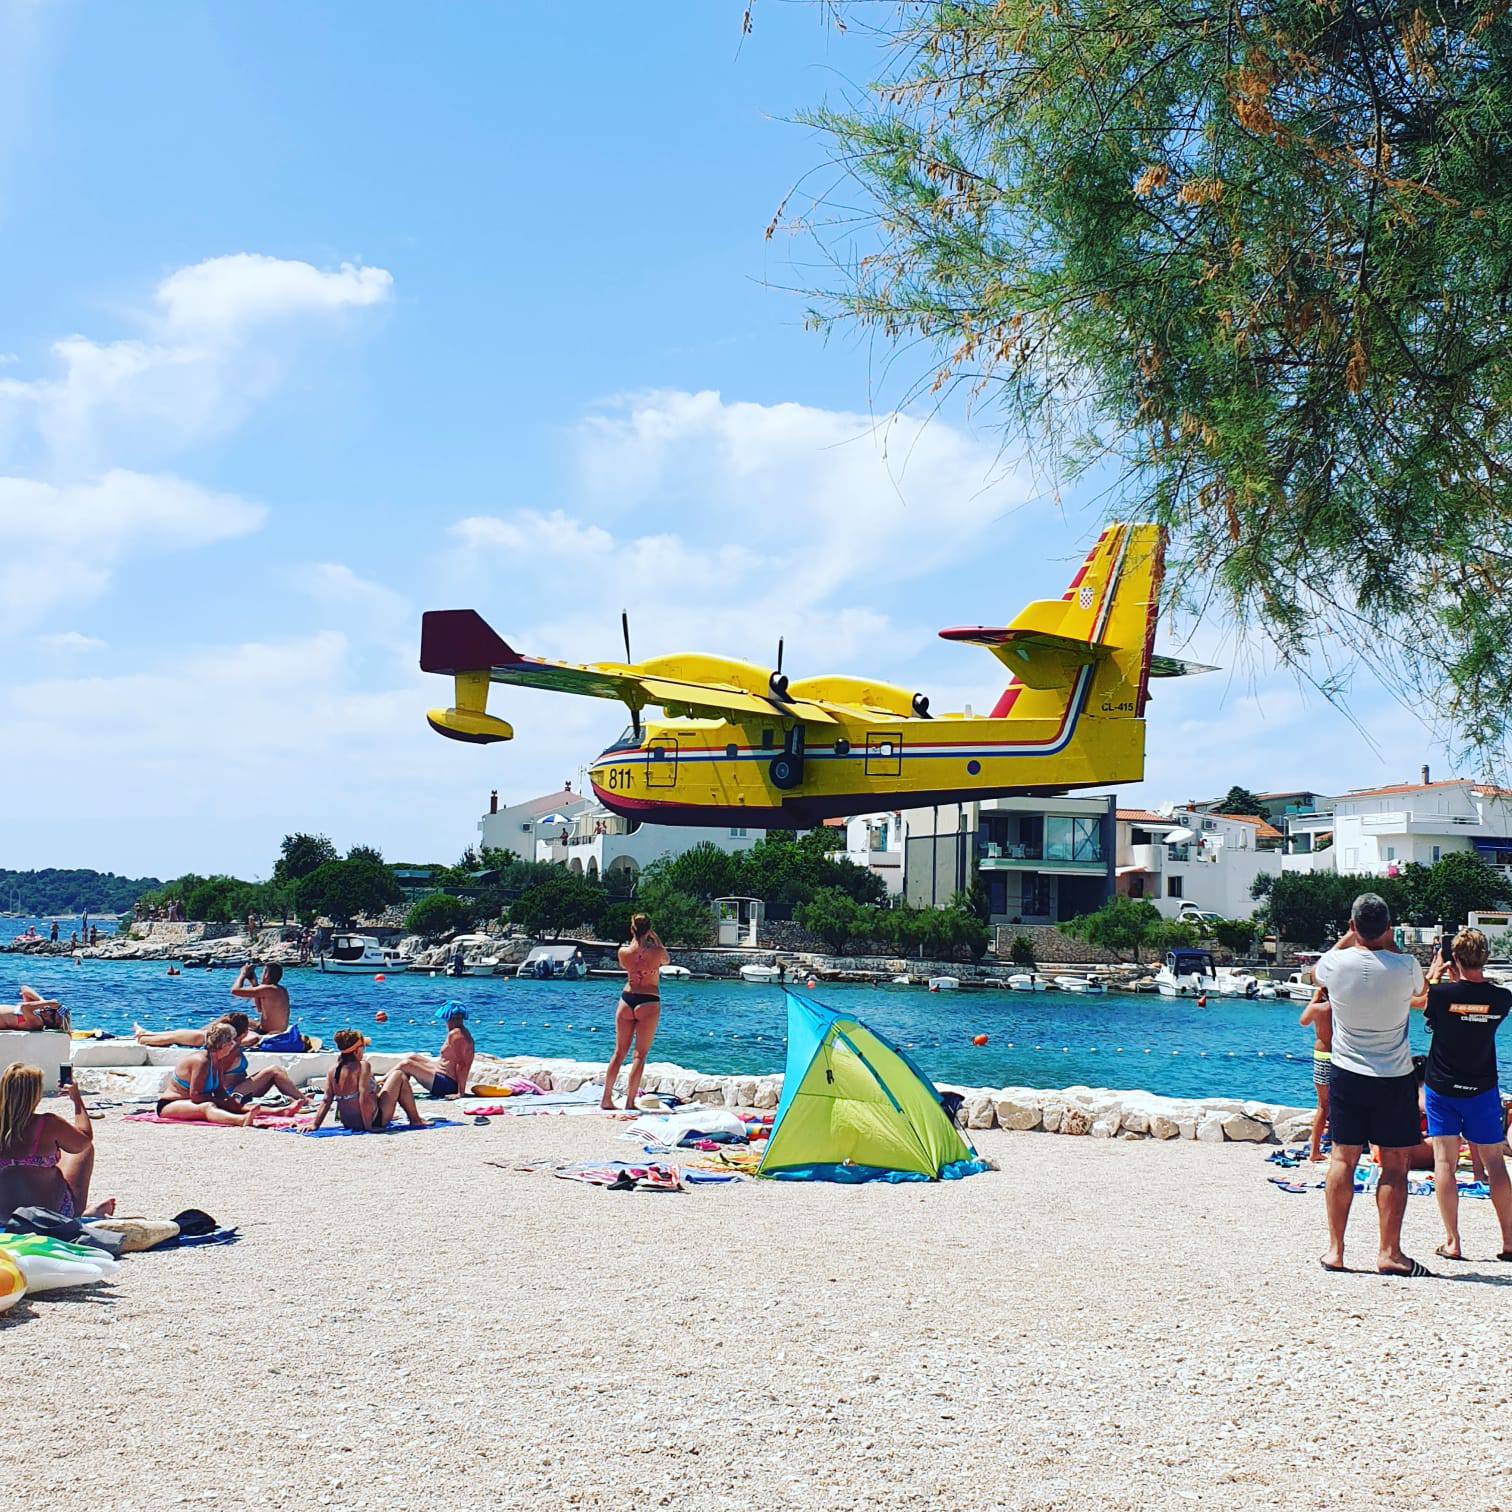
70	891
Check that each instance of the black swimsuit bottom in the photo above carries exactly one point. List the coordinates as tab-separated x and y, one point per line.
636	999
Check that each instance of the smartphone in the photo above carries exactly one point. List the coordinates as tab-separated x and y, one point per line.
65	1076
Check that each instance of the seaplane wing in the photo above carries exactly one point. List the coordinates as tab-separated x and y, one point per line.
460	644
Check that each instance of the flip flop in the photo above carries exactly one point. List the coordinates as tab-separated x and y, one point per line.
1442	1251
1418	1269
1287	1186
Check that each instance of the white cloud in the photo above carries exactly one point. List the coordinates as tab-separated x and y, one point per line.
335	586
66	540
197	369
69	642
222	296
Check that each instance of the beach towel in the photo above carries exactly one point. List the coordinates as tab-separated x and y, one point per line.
268	1121
189	1241
335	1131
672	1129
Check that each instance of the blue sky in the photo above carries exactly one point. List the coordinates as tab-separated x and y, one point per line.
316	317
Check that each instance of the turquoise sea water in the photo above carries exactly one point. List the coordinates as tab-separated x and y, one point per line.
1045	1039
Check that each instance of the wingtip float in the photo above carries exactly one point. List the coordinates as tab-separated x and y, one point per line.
743	744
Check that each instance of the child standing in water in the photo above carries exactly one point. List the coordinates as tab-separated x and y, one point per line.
1319	1013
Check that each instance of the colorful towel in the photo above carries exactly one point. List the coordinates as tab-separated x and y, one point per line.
335	1131
268	1121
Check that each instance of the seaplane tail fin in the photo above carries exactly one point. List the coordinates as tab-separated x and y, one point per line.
1104	621
460	644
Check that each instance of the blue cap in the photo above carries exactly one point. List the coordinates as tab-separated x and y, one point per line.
450	1011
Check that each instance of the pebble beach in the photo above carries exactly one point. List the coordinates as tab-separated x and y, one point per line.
411	1321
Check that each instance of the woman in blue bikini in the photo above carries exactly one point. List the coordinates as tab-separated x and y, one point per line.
197	1092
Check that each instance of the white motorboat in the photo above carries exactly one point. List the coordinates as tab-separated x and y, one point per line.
473	955
944	983
1084	986
1187	973
553	963
1027	981
359	953
1299	987
675	971
758	973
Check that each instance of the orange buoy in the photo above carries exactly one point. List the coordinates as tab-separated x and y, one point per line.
1202	1001
380	977
380	1017
978	1039
812	984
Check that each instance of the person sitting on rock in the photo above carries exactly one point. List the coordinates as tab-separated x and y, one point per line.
34	1012
446	1074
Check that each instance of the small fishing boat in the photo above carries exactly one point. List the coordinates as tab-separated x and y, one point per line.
1027	981
675	971
1087	986
473	955
355	953
758	973
944	983
1299	987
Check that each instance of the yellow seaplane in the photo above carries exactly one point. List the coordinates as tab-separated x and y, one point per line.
743	744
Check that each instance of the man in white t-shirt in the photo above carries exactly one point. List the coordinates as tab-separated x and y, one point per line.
1372	1091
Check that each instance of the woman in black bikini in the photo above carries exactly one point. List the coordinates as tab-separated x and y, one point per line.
639	1009
361	1104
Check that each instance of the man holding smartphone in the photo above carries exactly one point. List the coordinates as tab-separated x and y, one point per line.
1372	1091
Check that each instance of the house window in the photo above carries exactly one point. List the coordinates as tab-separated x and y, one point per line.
1034	895
1391	853
737	834
1435	853
1173	887
1068	839
1136	887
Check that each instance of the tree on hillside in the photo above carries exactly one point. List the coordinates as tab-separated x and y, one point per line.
366	853
1239	800
342	890
678	917
436	914
1120	925
833	916
299	855
1257	255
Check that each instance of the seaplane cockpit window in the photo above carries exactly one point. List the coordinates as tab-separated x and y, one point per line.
628	741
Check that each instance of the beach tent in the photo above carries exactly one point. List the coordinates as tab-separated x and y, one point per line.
855	1108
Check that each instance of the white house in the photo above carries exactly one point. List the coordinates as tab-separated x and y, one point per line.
597	843
875	842
517	827
1379	830
1187	855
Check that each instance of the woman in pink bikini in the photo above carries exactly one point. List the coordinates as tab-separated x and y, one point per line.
639	1009
45	1161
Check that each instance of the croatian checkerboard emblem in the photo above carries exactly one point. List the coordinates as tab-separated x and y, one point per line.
1085	599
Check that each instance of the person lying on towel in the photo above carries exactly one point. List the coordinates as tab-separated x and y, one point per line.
34	1012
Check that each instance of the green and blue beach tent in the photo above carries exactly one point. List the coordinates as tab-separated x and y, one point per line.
855	1108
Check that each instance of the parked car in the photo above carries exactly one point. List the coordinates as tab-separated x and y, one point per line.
1190	913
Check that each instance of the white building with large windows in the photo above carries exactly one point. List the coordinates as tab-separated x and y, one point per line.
1041	860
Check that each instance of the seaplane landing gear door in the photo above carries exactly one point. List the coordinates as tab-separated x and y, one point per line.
884	753
661	762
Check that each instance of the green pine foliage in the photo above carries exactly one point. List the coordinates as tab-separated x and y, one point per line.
72	890
1257	255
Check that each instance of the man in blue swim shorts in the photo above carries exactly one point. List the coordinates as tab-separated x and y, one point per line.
1462	1098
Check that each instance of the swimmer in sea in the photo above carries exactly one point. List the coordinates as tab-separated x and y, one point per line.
639	1010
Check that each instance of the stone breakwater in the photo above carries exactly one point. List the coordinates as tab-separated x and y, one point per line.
1096	1112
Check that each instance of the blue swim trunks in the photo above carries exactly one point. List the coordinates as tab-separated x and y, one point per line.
1477	1119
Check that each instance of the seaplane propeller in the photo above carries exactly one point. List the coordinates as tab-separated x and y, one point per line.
778	682
635	721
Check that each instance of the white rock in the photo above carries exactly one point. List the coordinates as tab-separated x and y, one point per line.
767	1095
1052	1110
1017	1110
1103	1128
1163	1127
1135	1121
980	1112
1210	1129
1186	1126
1237	1126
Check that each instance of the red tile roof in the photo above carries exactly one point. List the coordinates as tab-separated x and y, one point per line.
1263	827
1404	787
